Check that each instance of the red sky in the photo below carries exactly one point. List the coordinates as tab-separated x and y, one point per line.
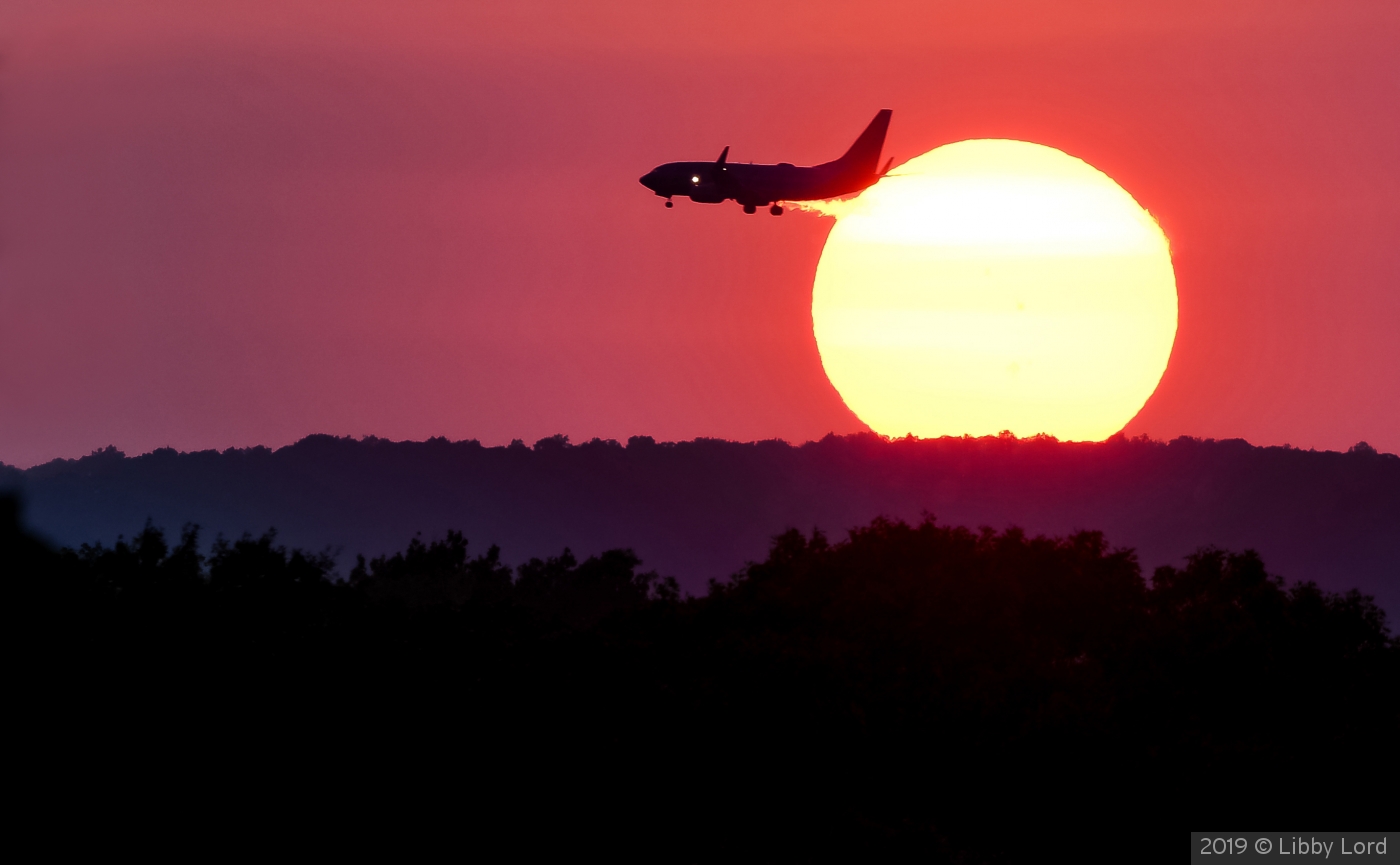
237	223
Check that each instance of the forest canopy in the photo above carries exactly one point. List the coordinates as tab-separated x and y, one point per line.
908	688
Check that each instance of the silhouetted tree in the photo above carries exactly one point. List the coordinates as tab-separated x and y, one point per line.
434	574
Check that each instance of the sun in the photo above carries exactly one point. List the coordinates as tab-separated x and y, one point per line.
995	285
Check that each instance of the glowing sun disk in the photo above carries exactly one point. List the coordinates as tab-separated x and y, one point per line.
995	285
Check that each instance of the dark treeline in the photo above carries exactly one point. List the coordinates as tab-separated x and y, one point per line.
699	509
920	690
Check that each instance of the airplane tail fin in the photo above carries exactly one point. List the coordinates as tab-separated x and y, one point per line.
864	156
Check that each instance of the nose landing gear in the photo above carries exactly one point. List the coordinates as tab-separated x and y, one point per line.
749	208
776	210
669	203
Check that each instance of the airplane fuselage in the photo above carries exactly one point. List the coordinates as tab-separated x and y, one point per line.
755	186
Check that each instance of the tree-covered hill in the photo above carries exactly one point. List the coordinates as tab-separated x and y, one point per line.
700	509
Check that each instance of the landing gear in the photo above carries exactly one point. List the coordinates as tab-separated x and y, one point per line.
749	208
670	203
775	210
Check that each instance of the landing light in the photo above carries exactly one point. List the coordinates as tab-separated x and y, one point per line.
694	178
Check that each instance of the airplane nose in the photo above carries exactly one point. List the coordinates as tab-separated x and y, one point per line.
649	180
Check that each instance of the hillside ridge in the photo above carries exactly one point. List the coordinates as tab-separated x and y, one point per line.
701	509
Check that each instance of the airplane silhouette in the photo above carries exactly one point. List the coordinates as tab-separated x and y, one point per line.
755	186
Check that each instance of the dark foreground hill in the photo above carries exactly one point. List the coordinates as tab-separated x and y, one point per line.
912	693
701	509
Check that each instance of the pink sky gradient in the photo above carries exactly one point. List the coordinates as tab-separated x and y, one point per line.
228	224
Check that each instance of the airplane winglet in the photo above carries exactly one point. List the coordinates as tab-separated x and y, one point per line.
723	156
886	169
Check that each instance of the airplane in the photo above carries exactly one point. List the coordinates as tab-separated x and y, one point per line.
755	186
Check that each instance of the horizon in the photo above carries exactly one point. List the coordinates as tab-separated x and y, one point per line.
567	441
699	508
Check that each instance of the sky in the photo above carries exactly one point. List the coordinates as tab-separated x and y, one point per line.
228	224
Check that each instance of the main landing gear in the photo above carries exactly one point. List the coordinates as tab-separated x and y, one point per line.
775	210
749	208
